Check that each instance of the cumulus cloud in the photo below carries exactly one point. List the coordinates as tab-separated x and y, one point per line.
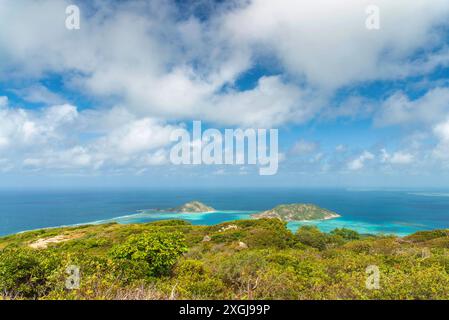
72	158
151	76
159	66
57	137
39	94
399	109
138	136
176	68
359	162
272	102
441	131
399	157
32	129
327	42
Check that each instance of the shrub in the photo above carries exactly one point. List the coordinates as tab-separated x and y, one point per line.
242	271
269	233
27	273
169	223
422	236
195	281
346	234
159	250
313	237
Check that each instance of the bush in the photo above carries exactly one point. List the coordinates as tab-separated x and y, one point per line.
423	236
346	234
276	264
195	281
269	233
159	250
27	273
313	237
242	271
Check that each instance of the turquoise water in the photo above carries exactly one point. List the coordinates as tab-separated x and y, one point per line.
206	218
398	212
211	218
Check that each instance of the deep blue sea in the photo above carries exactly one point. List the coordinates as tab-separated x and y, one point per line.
398	212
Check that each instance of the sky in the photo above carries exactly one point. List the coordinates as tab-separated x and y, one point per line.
95	106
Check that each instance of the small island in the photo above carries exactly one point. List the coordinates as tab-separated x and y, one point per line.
297	212
193	207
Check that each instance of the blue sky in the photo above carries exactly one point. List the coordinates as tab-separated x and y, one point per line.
95	107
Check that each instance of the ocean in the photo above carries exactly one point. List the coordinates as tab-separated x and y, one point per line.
399	212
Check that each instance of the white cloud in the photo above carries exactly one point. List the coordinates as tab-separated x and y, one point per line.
3	101
441	131
327	42
398	109
271	103
151	76
359	162
39	94
174	68
158	157
399	157
158	68
303	147
57	137
138	136
24	128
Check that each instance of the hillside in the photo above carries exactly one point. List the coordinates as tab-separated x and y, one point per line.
245	259
193	207
297	212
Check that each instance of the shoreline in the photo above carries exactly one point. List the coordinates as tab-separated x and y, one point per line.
111	220
292	225
142	216
324	219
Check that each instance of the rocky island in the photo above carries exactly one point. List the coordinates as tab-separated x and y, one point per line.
193	207
297	212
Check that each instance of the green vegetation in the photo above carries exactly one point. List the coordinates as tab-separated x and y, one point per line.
193	206
255	259
297	212
158	251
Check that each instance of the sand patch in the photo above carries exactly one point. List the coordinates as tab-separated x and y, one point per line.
43	243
